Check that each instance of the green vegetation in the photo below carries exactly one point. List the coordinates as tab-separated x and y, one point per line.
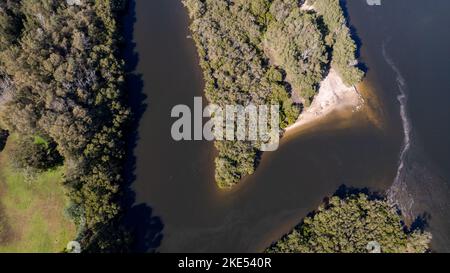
32	215
296	44
348	225
267	52
35	153
61	85
339	38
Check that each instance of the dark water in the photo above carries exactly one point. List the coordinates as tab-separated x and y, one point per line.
176	178
409	41
414	40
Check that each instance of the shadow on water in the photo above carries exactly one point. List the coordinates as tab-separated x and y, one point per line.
139	219
176	178
345	191
354	34
421	222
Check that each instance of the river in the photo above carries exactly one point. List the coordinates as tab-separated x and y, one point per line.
361	150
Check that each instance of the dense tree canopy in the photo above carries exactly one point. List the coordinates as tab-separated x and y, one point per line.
297	46
339	38
348	225
267	52
61	78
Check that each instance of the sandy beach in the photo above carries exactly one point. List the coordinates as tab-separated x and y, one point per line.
333	95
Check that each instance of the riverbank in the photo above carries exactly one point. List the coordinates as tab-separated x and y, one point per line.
333	95
288	183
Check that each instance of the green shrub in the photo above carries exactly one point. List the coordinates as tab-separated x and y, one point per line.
28	153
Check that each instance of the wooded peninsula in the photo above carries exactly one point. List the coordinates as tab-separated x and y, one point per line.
268	52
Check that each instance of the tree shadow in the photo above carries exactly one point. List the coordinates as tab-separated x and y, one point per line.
354	35
344	191
3	138
419	224
146	229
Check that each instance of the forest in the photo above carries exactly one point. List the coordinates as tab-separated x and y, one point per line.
62	88
61	93
265	52
348	224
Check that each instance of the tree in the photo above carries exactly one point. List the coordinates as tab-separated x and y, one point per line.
340	40
35	153
297	46
344	58
348	225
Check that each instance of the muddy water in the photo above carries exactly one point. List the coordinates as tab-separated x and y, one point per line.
176	178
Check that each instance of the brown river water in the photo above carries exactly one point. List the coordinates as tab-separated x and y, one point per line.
176	179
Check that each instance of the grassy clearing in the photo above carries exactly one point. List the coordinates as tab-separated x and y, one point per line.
32	213
41	141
